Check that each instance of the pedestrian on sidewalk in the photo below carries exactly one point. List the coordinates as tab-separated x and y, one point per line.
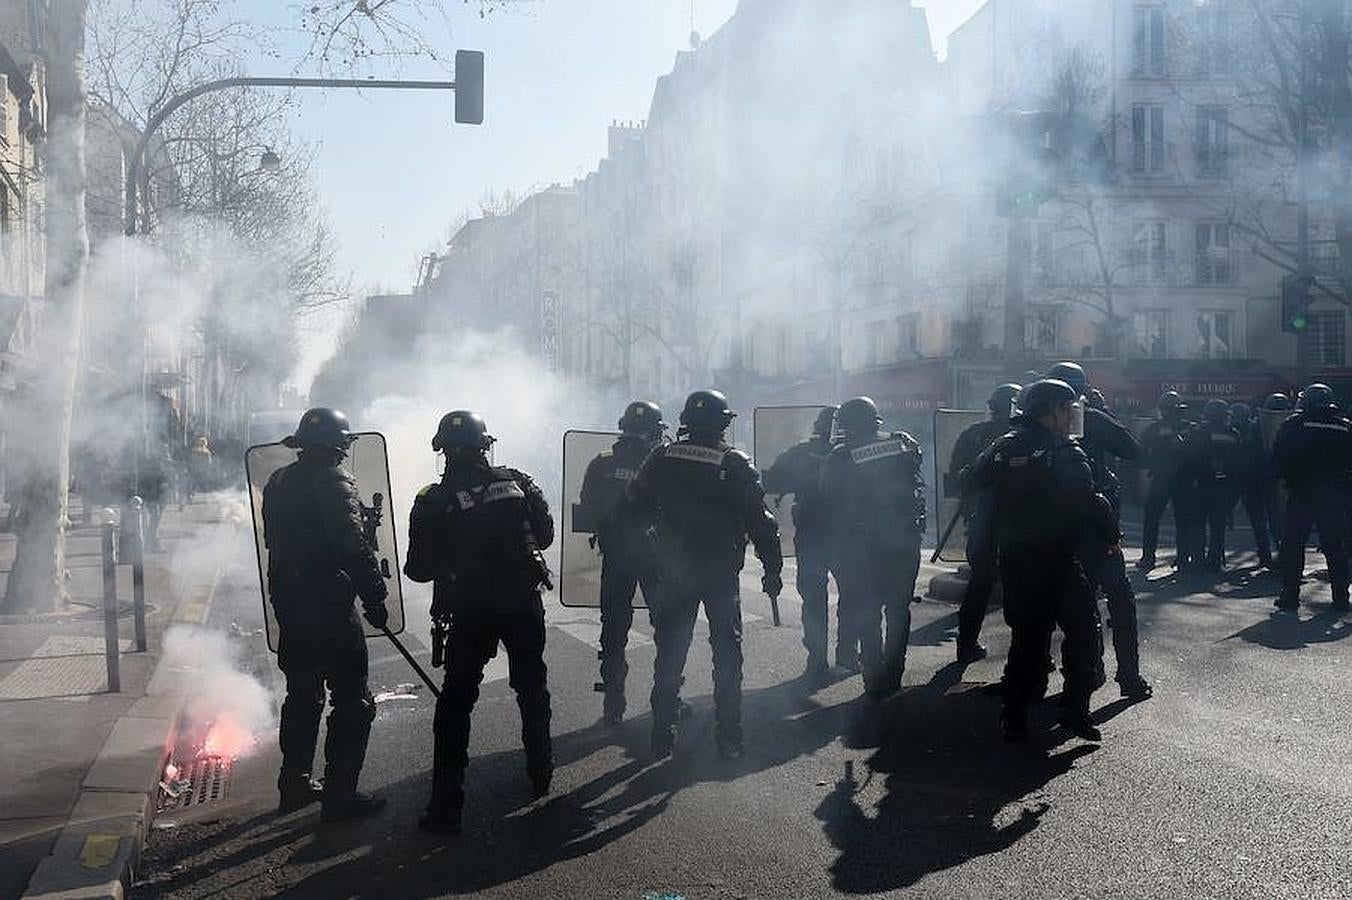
319	564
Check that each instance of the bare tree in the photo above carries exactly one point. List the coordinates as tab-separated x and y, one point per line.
350	33
41	425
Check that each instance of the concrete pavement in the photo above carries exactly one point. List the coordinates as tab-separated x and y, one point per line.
79	767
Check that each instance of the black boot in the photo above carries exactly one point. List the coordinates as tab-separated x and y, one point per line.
970	652
1135	688
355	805
298	793
1077	721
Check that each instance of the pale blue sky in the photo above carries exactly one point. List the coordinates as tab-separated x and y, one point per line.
393	170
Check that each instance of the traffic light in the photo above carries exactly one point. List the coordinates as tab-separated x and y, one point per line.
469	87
1296	302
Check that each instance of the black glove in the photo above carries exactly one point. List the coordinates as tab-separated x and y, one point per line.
772	584
378	616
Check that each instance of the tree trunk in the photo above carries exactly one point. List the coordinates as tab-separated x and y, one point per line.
40	429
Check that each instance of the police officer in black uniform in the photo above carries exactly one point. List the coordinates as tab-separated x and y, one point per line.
478	536
1251	478
798	471
1043	500
1164	443
628	558
319	563
1213	449
976	512
706	500
875	493
1312	455
1105	436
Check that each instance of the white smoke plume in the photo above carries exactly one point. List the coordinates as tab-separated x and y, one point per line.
226	708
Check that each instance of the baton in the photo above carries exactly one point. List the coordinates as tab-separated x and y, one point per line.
398	645
948	532
774	610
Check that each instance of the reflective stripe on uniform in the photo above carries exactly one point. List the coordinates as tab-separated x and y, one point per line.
498	490
1328	426
880	450
692	453
623	474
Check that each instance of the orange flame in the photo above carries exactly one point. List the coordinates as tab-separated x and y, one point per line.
227	738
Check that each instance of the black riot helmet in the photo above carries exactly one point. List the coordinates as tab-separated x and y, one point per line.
826	419
1001	402
1043	397
1214	412
1171	404
462	430
707	411
1241	415
642	417
1317	396
1277	402
858	417
1072	374
321	428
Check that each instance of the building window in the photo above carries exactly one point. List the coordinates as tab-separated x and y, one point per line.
817	351
1213	38
876	343
1148	41
1147	139
908	336
1150	253
1150	329
1215	335
1214	264
1040	329
1323	342
1213	141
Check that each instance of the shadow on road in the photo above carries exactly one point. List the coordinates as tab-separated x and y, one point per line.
1282	631
952	791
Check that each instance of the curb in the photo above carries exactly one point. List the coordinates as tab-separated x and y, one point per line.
99	848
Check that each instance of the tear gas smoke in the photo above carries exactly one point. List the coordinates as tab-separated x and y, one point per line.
226	709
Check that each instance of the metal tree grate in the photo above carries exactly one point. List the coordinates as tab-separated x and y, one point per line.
208	780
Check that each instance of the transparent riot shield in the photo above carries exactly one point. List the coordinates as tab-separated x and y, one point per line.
774	430
579	558
1269	421
948	425
368	463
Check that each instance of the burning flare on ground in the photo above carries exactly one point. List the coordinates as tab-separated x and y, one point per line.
227	738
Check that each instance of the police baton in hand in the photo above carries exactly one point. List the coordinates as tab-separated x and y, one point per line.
422	673
772	585
948	533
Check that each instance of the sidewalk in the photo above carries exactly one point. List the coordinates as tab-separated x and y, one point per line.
79	767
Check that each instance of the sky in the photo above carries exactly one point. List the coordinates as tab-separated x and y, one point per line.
393	170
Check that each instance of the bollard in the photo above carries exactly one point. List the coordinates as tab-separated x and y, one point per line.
137	536
107	525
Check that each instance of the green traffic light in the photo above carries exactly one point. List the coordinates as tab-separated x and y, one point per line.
1298	323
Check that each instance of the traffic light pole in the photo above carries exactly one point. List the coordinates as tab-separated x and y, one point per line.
1304	266
136	164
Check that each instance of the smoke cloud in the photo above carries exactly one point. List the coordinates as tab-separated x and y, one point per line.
226	709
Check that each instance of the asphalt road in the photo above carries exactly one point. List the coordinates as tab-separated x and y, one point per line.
1233	782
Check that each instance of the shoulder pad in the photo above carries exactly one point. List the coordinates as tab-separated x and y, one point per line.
427	490
605	454
738	456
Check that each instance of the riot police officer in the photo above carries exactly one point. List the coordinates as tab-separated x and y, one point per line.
875	493
1105	436
1213	450
1163	443
478	536
319	562
706	500
976	511
798	471
1043	499
1312	455
1251	477
628	560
